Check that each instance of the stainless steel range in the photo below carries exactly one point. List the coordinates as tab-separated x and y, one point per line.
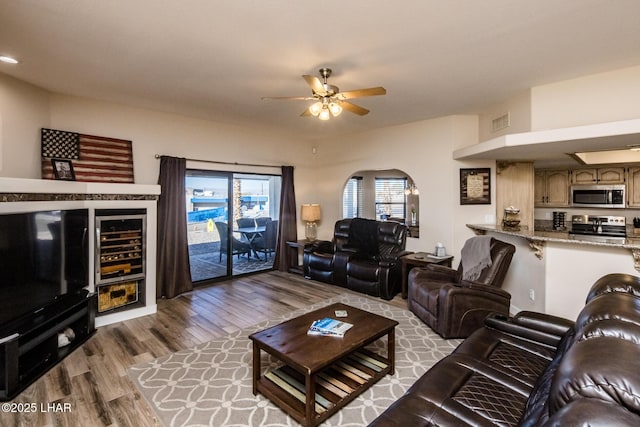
605	229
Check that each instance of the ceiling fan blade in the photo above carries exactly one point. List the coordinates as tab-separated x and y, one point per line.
316	84
354	108
288	98
306	113
359	93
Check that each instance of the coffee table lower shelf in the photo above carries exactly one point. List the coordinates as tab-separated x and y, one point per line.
335	386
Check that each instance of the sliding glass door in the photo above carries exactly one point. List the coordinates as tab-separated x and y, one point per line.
231	220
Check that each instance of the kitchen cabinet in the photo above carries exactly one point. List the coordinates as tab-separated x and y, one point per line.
606	175
633	187
551	187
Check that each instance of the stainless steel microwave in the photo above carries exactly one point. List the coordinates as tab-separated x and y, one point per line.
598	196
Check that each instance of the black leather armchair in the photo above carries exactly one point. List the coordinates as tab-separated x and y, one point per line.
455	307
363	256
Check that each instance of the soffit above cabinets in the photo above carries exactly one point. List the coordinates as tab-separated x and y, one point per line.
557	144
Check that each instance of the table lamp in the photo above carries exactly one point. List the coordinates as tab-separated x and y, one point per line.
310	213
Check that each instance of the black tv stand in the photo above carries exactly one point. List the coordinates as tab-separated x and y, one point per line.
29	346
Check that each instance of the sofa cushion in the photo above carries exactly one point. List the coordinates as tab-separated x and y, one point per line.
614	305
616	282
605	368
461	388
593	413
364	269
523	360
537	409
363	236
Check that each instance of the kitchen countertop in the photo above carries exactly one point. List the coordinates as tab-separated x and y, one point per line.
551	236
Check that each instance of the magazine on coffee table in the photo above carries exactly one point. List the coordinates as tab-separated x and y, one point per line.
329	327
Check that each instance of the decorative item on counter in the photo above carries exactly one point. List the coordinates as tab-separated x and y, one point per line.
636	226
440	250
559	221
510	220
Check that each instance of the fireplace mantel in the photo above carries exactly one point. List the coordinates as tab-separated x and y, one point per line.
24	189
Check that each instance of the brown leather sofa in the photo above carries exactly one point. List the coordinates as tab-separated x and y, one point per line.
363	256
455	307
534	369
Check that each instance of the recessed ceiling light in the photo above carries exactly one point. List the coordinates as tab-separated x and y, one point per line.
8	59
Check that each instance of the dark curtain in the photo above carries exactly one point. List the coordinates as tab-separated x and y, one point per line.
173	272
288	230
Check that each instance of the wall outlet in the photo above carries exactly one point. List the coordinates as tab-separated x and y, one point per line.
532	295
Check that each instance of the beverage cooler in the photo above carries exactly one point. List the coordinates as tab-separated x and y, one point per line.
120	258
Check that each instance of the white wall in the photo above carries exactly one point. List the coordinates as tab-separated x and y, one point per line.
24	109
526	272
519	110
155	132
597	98
572	269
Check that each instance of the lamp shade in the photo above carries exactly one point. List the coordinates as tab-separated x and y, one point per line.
324	114
310	212
315	108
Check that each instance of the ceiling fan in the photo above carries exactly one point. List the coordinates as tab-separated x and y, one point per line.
329	100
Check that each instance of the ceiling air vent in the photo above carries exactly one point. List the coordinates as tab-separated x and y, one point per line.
500	123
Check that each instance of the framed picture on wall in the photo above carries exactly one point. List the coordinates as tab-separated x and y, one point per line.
475	186
63	169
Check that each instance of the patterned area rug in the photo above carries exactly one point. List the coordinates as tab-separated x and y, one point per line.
210	385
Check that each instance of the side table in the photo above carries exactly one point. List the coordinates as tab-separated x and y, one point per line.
296	247
420	259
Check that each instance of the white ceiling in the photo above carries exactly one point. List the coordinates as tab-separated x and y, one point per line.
215	59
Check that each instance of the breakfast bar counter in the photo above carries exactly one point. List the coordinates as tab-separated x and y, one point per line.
538	237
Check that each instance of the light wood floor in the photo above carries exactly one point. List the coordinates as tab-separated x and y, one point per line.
93	379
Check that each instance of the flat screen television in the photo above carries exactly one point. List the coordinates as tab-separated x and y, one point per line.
44	258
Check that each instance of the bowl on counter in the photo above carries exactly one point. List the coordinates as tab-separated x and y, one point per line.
511	223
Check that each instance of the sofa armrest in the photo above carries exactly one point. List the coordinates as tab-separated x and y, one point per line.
538	327
435	272
392	259
351	249
478	287
340	261
463	294
324	246
543	322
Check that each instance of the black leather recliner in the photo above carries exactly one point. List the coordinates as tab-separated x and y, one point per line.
363	256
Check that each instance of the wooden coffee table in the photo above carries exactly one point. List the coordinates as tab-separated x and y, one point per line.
333	370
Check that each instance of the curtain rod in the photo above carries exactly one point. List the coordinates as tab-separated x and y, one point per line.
227	163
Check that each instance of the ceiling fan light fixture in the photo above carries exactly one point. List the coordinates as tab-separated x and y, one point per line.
327	99
324	114
315	108
335	109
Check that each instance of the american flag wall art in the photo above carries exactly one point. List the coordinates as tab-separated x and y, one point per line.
94	158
